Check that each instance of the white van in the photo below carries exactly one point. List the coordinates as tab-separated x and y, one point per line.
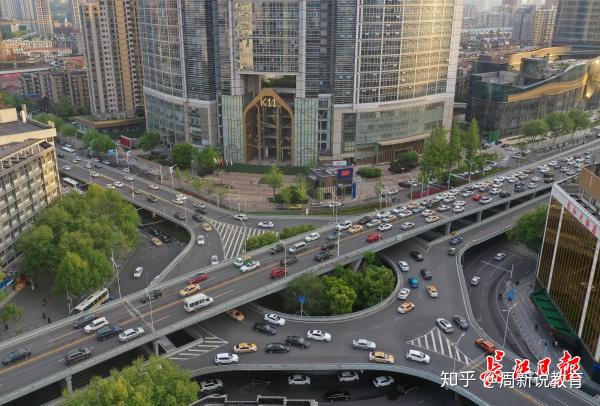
195	302
299	246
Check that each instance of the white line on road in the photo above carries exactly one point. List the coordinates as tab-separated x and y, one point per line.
224	293
558	400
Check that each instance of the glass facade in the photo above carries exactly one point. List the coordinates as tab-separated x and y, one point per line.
577	23
165	117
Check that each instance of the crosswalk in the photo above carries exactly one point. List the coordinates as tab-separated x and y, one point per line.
437	342
233	237
520	250
198	348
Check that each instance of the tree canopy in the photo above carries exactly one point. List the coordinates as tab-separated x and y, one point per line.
405	162
274	178
534	129
207	159
98	142
580	121
182	155
149	140
529	229
559	123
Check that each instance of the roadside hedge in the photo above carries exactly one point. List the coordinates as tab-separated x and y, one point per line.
369	172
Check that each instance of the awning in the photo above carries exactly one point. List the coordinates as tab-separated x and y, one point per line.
402	140
552	315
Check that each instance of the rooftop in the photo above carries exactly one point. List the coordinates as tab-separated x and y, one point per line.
17	127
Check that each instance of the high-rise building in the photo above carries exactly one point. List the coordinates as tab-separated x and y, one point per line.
543	26
113	58
296	81
522	24
42	18
76	23
577	23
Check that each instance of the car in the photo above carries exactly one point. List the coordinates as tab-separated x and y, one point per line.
226	358
289	260
322	256
364	344
495	191
153	186
335	395
151	198
242	348
356	228
110	186
95	325
485	200
404	293
499	256
536	179
475	280
241	217
199	205
179	216
333	204
405	307
189	290
180	196
380	357
531	185
334	236
418	356
200	239
94	174
297	341
178	201
128	178
455	240
458	209
404	214
432	291
389	219
206	227
105	162
126	170
413	283
477	197
466	193
373	223
152	295
382	214
66	168
426	274
328	246
374	238
274	319
318	335
548	180
427	213
417	256
348	376
250	266
312	237
277	273
277	348
197	217
265	328
235	314
460	321
130	334
407	225
77	355
16	356
343	225
156	241
486	345
277	249
384	227
84	320
364	220
118	184
452	251
137	274
444	325
214	260
109	331
443	207
298	380
87	166
383	381
265	224
404	267
210	385
504	194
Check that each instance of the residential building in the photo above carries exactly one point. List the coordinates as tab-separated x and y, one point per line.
113	59
577	23
568	268
293	82
543	26
29	179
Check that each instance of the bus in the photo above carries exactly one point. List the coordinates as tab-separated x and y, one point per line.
93	301
71	182
68	149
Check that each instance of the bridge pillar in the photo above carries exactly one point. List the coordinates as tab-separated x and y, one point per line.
155	345
507	205
448	227
479	216
69	382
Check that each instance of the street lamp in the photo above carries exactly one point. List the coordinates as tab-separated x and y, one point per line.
506	327
470	169
244	224
456	348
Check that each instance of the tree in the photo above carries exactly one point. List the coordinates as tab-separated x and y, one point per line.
580	120
289	232
454	146
529	229
313	289
378	188
72	276
405	162
158	381
375	284
286	195
45	117
341	297
472	140
435	153
182	155
11	312
273	178
62	108
301	185
149	140
207	160
222	193
39	253
68	130
261	240
102	143
559	123
533	130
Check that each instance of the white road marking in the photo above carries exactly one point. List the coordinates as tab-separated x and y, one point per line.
224	293
558	400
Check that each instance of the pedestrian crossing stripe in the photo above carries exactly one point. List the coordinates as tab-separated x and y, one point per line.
234	237
207	344
437	342
521	249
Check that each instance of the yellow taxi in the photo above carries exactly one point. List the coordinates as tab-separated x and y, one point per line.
432	291
235	314
356	228
207	227
244	347
295	206
380	357
189	290
406	307
156	241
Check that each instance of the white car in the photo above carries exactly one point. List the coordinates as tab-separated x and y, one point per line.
298	380
334	204
383	381
373	223
343	225
130	334
536	179
404	267
250	266
392	191
348	376
126	170
460	203
178	201
531	185
312	237
499	256
407	225
485	200
137	274
389	219
404	214
153	186
180	196
475	280
444	325
94	174
399	210
96	324
128	178
214	260
211	385
226	358
364	344
384	227
403	294
443	207
118	184
265	224
458	209
200	239
382	214
199	205
466	193
318	335
274	319
66	168
495	191
241	217
418	356
110	186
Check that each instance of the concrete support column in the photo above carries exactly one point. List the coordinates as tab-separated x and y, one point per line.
479	213
448	226
155	345
507	205
69	382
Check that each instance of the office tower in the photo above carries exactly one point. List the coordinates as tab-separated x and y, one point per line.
522	23
543	26
42	18
300	81
577	23
112	56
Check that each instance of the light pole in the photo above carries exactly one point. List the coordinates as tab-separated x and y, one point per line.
112	258
470	169
456	348
244	224
506	327
132	194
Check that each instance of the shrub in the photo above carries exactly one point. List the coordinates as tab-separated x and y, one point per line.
406	161
289	232
261	240
369	172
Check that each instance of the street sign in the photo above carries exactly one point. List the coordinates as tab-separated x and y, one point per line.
596	367
301	299
511	294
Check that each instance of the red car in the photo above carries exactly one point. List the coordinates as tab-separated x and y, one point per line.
477	197
201	277
374	238
277	273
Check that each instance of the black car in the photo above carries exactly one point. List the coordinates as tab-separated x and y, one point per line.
519	188
277	249
549	174
153	231
76	355
277	348
335	395
364	220
408	388
504	194
16	356
328	246
416	255
426	274
97	165
152	295
297	341
200	211
151	198
265	328
179	216
322	256
109	331
84	320
292	259
460	322
198	217
165	238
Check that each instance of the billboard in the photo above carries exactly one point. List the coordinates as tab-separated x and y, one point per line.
345	173
128	142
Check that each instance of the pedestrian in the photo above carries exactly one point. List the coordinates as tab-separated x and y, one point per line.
49	320
536	327
5	326
43	315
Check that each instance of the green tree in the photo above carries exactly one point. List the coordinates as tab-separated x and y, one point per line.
454	146
62	108
286	195
207	160
289	232
559	123
472	140
182	155
405	162
580	119
39	253
72	276
261	240
313	289
529	229
149	140
158	381
369	172
369	257
533	130
102	143
11	312
45	117
375	284
68	130
435	153
378	188
274	178
221	192
341	297
301	185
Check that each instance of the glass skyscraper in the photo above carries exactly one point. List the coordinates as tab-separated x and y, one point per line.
577	23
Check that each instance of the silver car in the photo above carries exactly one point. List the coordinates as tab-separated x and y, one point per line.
364	344
444	325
